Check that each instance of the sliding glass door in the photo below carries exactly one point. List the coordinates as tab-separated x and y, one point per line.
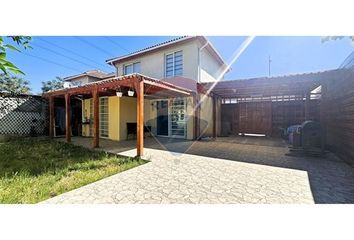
171	118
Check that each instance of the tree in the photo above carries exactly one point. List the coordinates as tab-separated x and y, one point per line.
5	65
14	85
54	84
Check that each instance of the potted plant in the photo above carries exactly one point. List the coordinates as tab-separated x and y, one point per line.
119	93
131	93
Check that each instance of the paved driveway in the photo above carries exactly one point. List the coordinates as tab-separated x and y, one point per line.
224	171
185	178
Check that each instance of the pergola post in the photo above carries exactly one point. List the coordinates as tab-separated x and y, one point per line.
139	87
307	106
214	116
51	117
96	119
67	118
323	115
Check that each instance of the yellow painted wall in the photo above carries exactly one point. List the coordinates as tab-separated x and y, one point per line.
127	114
150	115
113	118
206	116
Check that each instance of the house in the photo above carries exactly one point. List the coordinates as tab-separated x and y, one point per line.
181	64
86	77
169	88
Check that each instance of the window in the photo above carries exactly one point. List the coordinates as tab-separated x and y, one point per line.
132	68
177	118
104	115
174	64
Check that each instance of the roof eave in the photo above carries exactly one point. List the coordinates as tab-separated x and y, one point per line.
118	59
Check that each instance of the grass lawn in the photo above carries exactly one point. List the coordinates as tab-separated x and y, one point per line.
35	169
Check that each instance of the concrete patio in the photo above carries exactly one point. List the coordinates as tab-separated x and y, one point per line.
229	170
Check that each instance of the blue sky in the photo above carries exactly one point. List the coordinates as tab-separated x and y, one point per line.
64	56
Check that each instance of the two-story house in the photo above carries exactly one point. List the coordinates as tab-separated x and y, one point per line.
186	62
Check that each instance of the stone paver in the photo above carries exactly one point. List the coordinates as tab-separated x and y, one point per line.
185	178
222	172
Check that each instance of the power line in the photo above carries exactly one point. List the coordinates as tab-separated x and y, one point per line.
72	52
62	55
52	62
94	46
115	43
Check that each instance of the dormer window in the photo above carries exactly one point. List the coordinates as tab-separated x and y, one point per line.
132	68
174	64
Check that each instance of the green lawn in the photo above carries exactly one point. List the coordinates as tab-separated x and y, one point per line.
35	169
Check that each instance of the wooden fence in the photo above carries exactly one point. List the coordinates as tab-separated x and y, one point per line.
337	112
267	117
23	115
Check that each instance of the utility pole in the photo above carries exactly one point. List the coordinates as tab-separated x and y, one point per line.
269	61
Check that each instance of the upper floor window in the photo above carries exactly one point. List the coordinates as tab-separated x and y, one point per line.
174	64
132	68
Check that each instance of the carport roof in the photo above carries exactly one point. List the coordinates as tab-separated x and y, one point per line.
298	84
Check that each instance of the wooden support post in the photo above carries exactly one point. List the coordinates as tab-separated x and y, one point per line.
214	116
307	106
67	118
51	117
96	119
323	115
139	87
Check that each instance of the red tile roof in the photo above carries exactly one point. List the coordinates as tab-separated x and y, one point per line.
91	73
168	44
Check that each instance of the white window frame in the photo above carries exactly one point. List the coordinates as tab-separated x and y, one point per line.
100	115
170	103
131	64
165	63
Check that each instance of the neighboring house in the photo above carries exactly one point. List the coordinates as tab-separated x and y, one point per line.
185	62
86	77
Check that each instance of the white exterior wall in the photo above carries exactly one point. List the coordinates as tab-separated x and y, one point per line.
210	68
83	80
153	64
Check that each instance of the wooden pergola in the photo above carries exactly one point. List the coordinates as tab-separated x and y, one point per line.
291	86
145	87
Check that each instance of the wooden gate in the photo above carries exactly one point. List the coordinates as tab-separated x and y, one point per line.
255	117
